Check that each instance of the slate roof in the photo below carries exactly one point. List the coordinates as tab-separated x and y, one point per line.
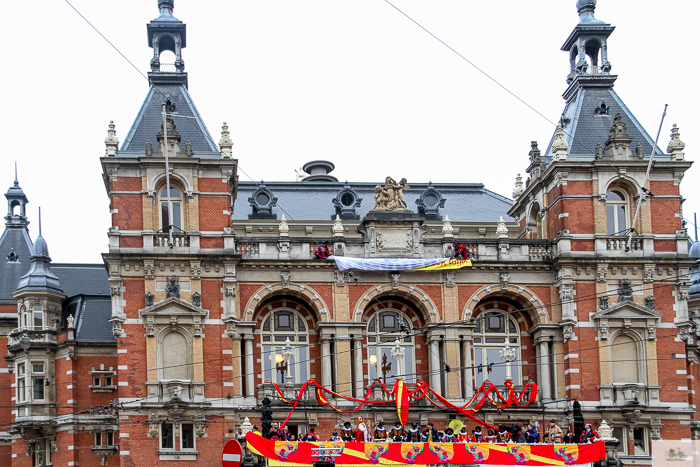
465	202
586	129
82	279
10	273
92	323
150	118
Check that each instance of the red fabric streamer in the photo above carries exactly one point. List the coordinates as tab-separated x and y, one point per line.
402	393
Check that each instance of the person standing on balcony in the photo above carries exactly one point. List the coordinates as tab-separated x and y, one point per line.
554	434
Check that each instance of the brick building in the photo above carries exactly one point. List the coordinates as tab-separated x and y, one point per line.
210	288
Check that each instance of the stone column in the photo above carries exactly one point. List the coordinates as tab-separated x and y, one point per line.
435	373
236	365
359	369
545	371
467	371
326	367
249	366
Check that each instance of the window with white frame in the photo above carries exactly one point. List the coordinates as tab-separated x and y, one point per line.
277	327
640	437
186	440
617	212
490	335
21	383
104	439
38	382
176	202
383	330
38	318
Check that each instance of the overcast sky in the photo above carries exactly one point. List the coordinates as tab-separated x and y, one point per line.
353	82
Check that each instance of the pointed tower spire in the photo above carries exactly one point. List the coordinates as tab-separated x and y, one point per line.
39	278
16	205
167	33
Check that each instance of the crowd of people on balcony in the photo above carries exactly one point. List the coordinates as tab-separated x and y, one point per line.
517	433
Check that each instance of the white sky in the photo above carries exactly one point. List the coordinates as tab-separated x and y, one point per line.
353	82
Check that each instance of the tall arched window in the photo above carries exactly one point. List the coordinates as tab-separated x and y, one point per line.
176	201
383	330
277	327
624	354
23	318
38	318
489	339
617	212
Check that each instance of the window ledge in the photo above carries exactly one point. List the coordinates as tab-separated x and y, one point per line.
177	455
103	388
643	458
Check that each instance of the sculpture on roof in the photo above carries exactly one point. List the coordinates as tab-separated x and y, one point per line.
390	196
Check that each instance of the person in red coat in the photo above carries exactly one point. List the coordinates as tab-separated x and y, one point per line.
362	433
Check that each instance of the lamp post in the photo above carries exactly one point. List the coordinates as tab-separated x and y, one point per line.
287	353
508	355
398	353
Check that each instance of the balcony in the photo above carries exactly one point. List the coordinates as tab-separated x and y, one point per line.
172	390
26	336
180	240
632	395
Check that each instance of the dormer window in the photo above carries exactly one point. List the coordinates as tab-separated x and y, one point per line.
177	216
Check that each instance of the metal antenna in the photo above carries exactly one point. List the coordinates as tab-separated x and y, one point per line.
696	226
40	221
16	182
646	179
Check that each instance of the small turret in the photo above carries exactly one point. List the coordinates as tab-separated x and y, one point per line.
16	205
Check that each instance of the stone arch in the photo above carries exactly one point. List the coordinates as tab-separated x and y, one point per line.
158	183
422	301
307	294
623	181
522	295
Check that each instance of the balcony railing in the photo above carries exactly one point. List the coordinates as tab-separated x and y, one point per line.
163	240
247	249
620	244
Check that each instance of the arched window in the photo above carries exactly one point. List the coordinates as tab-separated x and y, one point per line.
38	318
624	354
175	357
489	339
277	327
384	329
176	201
617	212
23	318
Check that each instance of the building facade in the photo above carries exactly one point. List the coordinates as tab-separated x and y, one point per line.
211	288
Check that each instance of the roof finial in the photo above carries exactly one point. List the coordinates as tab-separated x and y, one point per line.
40	221
16	181
586	10
166	7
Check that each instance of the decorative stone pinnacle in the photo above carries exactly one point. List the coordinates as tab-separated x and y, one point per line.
605	432
559	145
338	229
447	229
111	141
676	146
284	227
166	7
586	11
226	143
519	188
502	230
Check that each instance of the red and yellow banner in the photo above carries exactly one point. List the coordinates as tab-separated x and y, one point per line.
291	453
448	264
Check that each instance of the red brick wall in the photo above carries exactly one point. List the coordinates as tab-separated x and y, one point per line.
212	185
127	184
663	217
130	212
211	213
131	242
208	242
582	245
664	245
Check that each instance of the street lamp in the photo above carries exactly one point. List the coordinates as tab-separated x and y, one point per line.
508	355
288	353
398	353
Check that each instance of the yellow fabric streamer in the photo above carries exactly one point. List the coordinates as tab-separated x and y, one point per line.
449	264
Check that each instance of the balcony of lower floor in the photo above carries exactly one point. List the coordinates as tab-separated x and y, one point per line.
174	391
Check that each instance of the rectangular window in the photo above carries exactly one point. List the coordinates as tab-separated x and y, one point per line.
21	385
110	439
177	220
37	367
186	437
108	381
38	318
640	442
96	381
167	436
165	217
619	433
38	389
98	439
